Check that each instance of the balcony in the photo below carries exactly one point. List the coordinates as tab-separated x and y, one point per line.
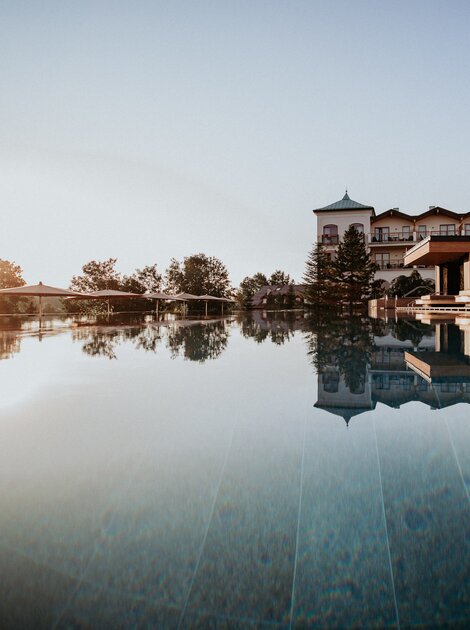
328	240
383	266
396	237
407	237
394	266
441	233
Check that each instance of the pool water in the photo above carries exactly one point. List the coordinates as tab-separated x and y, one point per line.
271	470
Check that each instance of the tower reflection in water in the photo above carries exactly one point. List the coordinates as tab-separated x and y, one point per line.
365	362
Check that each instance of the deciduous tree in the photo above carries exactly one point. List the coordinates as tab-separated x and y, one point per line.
414	284
143	280
279	278
97	276
248	287
11	276
198	274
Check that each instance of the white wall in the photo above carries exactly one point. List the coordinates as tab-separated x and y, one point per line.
343	219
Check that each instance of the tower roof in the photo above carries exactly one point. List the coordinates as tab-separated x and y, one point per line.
346	203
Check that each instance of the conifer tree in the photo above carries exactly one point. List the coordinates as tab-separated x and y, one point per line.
319	278
354	269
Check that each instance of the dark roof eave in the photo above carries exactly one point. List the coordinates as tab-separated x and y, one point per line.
428	213
336	210
439	210
394	213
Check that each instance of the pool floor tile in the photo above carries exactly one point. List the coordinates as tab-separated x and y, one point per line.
247	564
31	595
95	607
343	576
428	516
202	621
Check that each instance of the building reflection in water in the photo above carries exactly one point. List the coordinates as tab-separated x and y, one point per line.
359	361
365	362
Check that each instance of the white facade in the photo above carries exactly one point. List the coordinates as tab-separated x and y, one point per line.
389	235
343	220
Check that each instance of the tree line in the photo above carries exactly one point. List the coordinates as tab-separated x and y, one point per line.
198	274
347	280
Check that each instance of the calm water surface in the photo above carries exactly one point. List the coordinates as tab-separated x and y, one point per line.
254	472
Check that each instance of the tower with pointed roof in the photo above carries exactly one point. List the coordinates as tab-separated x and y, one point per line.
333	220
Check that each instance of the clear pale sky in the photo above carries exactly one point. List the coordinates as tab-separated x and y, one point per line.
146	130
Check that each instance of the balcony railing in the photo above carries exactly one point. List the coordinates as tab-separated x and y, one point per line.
405	237
329	240
422	235
383	266
396	237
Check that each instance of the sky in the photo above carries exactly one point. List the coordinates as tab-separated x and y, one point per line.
150	130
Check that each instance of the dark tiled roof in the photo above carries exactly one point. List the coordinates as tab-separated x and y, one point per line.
274	290
393	212
436	210
439	210
344	412
346	203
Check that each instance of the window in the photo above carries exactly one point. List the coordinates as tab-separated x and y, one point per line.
422	385
406	383
330	234
422	231
381	381
449	388
381	234
382	260
406	233
330	382
466	230
359	227
447	229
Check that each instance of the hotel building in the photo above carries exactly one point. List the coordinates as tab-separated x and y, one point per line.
390	234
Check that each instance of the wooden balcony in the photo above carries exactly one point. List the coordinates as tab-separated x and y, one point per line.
436	250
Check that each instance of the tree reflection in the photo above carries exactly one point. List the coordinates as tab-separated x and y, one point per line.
413	331
148	339
9	344
344	344
279	327
198	342
103	342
